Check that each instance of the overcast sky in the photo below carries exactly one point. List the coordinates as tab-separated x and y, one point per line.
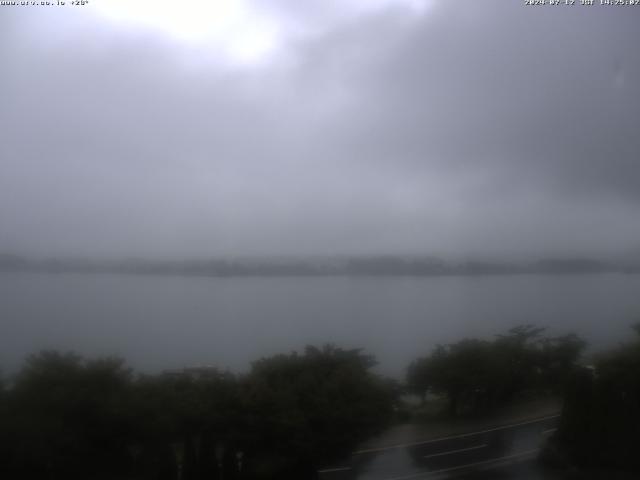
281	127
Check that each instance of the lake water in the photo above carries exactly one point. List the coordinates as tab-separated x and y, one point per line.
169	322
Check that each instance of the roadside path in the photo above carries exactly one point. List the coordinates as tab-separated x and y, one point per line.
505	441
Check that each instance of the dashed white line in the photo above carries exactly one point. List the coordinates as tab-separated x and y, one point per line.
451	452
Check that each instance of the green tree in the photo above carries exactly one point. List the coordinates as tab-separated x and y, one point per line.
181	418
477	375
68	416
600	423
305	409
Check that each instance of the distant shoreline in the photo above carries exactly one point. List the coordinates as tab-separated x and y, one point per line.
387	266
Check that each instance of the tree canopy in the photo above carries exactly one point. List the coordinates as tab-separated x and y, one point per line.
68	417
600	424
478	375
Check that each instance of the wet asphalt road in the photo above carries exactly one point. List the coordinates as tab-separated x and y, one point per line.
505	452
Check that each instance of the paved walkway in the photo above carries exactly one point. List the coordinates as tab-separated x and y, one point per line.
412	432
506	443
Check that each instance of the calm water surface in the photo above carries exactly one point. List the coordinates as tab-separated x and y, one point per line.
169	322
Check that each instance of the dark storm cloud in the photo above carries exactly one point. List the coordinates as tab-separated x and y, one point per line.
469	127
548	93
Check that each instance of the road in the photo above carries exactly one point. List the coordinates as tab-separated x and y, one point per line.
505	452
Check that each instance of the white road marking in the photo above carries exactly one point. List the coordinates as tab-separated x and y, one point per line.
547	432
337	469
507	459
452	437
450	452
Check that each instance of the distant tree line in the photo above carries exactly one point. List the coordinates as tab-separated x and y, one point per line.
66	417
357	266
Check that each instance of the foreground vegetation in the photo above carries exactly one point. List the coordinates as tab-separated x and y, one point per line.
64	416
478	376
600	423
67	417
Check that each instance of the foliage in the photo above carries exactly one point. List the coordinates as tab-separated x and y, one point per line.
314	406
478	375
68	417
600	424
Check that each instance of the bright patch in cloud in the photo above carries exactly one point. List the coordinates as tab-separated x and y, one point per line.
227	26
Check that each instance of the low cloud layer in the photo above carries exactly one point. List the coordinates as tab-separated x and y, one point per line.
449	128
